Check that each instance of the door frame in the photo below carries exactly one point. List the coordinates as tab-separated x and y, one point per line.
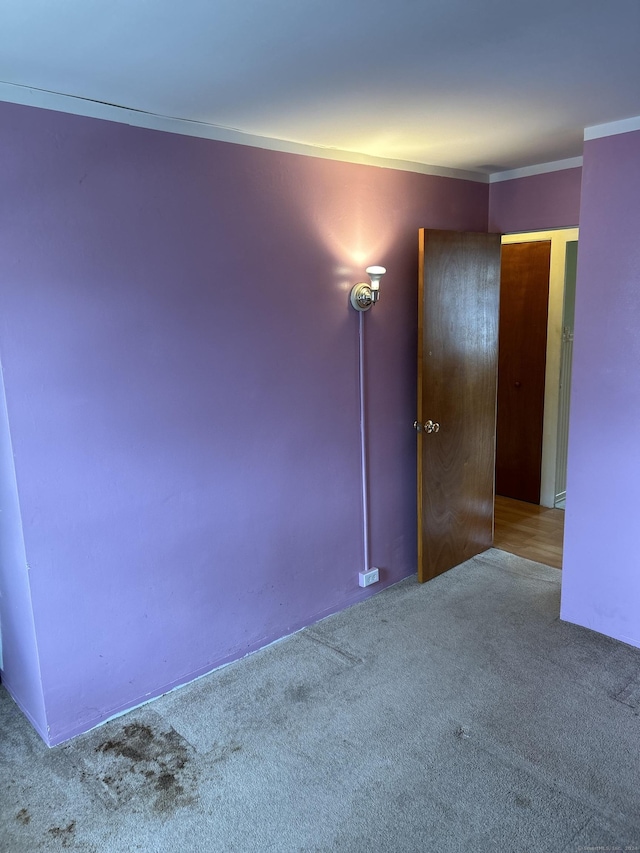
559	238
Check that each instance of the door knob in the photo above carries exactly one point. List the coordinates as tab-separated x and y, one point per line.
428	426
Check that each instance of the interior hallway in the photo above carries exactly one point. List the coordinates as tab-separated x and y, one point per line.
528	530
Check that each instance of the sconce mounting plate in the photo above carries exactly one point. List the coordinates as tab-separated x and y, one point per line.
361	298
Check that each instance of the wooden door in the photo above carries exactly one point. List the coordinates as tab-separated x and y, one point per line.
524	301
459	289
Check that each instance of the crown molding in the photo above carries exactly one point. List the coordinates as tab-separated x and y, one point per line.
540	169
59	102
625	125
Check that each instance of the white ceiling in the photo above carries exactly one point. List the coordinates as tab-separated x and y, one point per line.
481	85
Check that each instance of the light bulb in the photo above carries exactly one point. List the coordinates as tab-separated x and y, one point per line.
375	273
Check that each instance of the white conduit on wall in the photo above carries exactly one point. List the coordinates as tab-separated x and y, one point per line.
363	446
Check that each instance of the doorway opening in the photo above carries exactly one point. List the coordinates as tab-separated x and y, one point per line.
561	269
529	530
531	523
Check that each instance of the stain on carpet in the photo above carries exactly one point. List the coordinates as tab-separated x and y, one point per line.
139	765
64	834
149	764
23	816
221	752
298	693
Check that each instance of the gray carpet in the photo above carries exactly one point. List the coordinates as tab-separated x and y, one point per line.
461	715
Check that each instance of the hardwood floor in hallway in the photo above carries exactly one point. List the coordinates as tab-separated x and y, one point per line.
530	531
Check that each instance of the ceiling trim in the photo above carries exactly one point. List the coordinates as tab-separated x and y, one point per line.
47	100
625	125
540	169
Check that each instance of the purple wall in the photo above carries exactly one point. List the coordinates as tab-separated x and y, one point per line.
180	365
601	581
550	200
18	649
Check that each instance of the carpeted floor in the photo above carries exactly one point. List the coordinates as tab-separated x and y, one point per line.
461	715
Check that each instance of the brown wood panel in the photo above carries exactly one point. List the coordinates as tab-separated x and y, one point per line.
531	531
524	300
457	375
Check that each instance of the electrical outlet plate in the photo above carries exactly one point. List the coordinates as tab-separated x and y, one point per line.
367	578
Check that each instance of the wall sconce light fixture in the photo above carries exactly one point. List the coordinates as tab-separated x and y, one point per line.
363	295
